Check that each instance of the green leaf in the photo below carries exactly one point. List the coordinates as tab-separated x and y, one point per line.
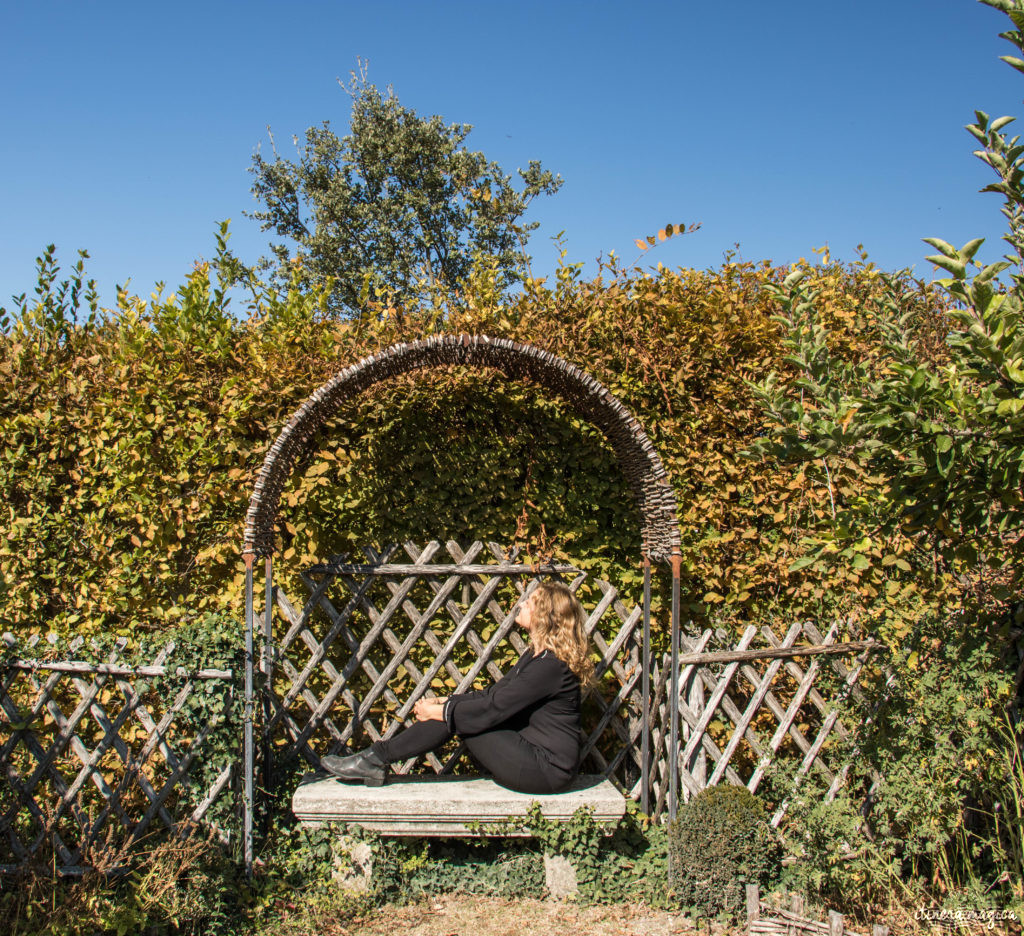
956	267
946	248
943	443
802	563
1013	62
971	248
991	271
944	462
793	278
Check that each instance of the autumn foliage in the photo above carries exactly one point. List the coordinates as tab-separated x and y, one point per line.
131	439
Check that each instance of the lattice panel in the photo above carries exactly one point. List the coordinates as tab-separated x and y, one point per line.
738	717
94	758
351	660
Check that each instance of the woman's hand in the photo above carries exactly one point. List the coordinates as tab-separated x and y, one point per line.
429	709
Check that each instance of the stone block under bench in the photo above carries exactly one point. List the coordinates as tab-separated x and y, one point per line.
444	806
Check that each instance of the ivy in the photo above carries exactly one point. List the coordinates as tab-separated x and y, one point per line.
212	706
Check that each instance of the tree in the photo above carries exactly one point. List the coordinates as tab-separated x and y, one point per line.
397	205
945	435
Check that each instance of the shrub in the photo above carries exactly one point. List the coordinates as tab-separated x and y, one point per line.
131	442
719	843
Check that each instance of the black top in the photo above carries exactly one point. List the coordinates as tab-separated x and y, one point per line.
539	697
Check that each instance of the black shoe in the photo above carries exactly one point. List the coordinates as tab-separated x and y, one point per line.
365	766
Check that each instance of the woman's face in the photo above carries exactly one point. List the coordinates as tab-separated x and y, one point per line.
525	617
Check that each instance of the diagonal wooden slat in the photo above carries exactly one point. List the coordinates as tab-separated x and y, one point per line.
88	759
298	682
479	587
319	647
23	788
742	728
692	690
134	772
453	610
340	628
806	681
717	697
415	621
89	681
810	758
813	696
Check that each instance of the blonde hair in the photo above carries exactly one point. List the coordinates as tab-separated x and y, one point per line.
558	625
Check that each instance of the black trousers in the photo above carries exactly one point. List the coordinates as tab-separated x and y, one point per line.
512	760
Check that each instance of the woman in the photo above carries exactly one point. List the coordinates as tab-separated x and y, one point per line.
525	729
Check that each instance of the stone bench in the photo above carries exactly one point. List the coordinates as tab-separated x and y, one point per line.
452	806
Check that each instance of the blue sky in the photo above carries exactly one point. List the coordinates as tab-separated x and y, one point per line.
127	129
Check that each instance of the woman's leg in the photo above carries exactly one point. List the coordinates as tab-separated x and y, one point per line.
515	763
418	738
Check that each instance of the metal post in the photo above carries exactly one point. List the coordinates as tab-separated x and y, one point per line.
645	743
247	755
673	789
268	669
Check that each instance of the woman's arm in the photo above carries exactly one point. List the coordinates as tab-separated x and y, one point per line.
471	714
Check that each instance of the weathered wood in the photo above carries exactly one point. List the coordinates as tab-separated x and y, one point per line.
811	757
793	709
730	656
483	584
627	728
318	650
717	696
44	791
691	691
417	606
793	668
641	466
742	727
776	708
753	901
110	669
399	570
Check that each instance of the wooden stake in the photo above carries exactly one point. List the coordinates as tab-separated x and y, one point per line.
753	904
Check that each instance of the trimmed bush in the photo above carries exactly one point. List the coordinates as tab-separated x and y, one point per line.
720	842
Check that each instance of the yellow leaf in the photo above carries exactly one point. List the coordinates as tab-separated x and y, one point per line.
641	245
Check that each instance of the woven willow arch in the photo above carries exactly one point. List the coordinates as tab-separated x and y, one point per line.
590	400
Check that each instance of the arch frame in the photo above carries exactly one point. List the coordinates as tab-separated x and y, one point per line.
590	399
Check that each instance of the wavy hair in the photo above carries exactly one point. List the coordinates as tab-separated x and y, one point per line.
558	626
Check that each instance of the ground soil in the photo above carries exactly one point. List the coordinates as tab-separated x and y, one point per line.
484	916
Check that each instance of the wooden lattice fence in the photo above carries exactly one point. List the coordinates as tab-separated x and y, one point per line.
350	660
101	753
744	707
95	755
